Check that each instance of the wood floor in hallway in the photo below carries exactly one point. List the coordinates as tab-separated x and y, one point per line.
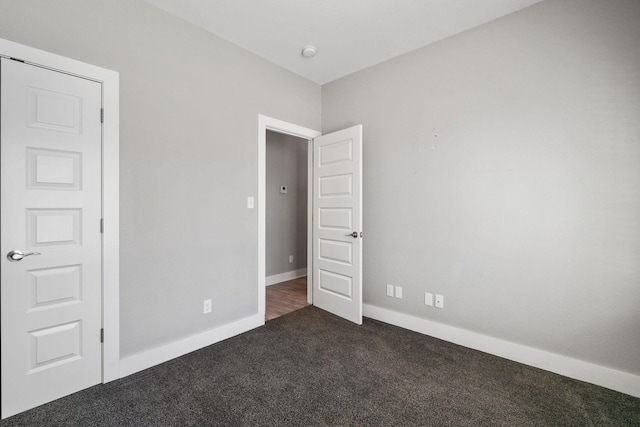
286	297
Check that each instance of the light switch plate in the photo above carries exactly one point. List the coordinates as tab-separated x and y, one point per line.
250	203
428	299
399	292
389	290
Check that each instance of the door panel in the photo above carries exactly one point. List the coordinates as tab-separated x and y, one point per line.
51	141
337	207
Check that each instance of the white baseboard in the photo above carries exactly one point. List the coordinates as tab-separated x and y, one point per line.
140	361
283	277
573	368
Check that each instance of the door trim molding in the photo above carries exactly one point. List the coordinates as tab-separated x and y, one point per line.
268	123
110	187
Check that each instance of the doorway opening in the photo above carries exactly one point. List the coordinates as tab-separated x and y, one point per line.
304	136
334	217
286	223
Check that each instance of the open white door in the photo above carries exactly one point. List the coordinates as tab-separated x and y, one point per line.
337	223
51	141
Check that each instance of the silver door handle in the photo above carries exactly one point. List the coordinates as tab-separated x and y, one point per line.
15	256
354	235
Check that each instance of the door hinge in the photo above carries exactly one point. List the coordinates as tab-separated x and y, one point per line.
102	225
102	115
102	335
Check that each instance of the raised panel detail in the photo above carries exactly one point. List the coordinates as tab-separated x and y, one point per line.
51	287
336	218
336	284
337	152
335	251
336	186
54	111
48	227
55	345
53	169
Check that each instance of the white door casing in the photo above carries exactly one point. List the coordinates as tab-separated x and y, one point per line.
337	227
51	204
268	123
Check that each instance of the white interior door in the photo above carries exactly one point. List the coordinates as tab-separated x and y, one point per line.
337	223
51	208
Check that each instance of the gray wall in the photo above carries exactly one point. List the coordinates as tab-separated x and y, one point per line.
286	214
189	115
502	170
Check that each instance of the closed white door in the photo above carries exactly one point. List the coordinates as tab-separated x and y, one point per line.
337	223
51	208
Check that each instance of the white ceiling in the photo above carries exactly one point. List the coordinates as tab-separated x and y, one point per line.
350	34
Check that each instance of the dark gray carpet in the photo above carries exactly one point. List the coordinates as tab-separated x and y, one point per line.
310	368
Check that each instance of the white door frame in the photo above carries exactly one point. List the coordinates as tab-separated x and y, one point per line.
267	123
109	81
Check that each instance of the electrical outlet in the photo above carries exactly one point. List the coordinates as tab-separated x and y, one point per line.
207	306
428	299
439	301
290	258
389	290
399	292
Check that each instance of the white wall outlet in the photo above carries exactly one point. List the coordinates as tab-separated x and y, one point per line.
428	299
439	301
250	202
389	290
283	189
399	292
290	258
207	306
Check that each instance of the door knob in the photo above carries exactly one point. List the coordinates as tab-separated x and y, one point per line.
15	256
354	235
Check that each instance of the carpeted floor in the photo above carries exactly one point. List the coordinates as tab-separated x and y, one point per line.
310	368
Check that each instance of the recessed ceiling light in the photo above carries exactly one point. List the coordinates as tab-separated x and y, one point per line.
309	51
